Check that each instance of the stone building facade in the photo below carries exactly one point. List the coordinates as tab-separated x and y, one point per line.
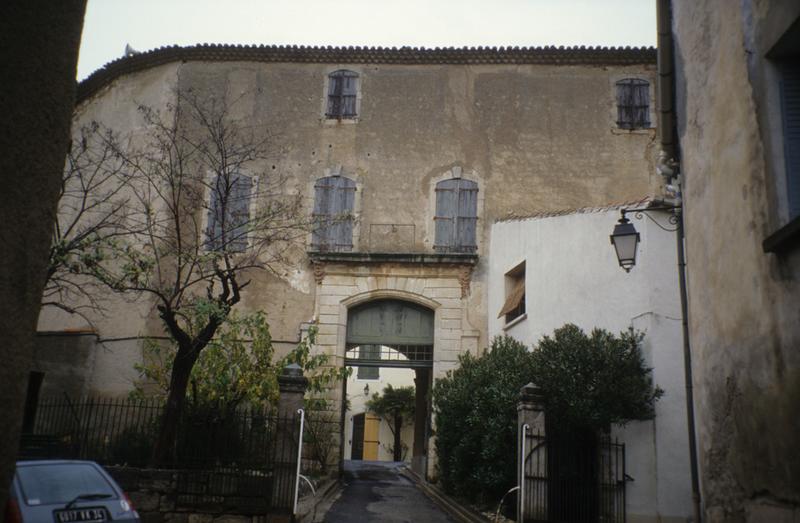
737	82
403	130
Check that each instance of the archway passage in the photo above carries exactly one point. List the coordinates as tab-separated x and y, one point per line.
396	334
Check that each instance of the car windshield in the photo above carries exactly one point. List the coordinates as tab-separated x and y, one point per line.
51	483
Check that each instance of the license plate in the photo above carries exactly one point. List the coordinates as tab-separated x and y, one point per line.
81	514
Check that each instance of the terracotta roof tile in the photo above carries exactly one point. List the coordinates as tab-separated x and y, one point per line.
372	55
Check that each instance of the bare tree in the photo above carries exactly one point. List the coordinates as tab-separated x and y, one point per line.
201	214
91	216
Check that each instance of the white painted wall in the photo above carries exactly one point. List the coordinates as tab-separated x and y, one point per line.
358	400
572	276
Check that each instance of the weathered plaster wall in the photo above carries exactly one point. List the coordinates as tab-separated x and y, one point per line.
534	137
744	313
572	276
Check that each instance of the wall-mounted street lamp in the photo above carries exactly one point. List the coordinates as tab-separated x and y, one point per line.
625	240
366	389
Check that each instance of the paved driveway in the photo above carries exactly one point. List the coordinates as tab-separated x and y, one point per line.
375	492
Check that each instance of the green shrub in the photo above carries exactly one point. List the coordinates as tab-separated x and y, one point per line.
476	412
595	381
588	382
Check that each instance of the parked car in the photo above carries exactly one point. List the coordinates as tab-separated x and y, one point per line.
65	491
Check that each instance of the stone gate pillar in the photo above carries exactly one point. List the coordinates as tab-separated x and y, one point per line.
532	495
419	458
292	385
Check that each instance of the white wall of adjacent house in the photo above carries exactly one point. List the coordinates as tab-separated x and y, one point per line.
357	405
572	276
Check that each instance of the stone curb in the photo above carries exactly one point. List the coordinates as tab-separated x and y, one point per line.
457	511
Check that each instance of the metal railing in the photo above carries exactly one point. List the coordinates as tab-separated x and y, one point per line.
575	478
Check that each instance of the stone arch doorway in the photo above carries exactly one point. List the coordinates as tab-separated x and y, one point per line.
390	333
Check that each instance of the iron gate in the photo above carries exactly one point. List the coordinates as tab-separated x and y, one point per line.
573	478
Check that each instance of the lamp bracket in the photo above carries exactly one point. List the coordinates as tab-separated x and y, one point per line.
645	211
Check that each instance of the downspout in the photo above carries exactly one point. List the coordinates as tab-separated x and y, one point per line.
669	168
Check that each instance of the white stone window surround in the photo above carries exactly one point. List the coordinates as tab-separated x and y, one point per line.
326	85
429	230
357	204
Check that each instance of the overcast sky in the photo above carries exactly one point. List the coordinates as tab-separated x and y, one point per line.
148	24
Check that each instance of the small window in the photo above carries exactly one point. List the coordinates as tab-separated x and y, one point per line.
342	93
514	306
633	104
333	214
229	213
456	215
369	352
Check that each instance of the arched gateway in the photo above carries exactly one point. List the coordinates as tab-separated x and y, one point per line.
398	334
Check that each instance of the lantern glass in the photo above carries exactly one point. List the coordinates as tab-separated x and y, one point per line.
625	240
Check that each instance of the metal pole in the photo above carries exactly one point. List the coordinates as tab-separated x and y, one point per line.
521	517
687	369
299	460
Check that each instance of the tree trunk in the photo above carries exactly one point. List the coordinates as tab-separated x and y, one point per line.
398	445
164	450
39	43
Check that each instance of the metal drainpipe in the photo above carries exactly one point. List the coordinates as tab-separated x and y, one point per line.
671	147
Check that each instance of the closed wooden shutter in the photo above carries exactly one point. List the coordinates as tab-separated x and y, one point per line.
323	196
633	103
229	213
446	206
456	215
239	207
349	96
790	107
333	213
467	216
214	222
342	92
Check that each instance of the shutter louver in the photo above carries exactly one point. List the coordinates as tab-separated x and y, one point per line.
229	214
342	91
239	206
633	104
322	214
790	107
214	228
456	215
333	214
467	216
446	193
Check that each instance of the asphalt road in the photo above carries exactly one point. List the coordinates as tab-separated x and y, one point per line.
375	492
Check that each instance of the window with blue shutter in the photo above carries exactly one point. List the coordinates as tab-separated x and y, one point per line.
790	108
342	92
334	197
229	213
633	104
456	215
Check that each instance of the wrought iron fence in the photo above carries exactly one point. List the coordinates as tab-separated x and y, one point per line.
122	432
244	457
573	478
